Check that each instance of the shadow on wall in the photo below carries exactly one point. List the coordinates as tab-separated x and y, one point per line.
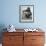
2	26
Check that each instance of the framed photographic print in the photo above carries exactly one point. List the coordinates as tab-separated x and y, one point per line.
26	13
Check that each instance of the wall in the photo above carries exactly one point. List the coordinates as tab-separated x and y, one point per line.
9	13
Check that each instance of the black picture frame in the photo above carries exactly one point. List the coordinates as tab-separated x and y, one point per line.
26	13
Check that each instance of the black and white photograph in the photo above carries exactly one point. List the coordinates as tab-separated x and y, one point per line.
26	13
